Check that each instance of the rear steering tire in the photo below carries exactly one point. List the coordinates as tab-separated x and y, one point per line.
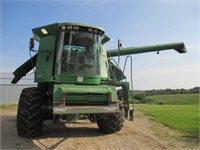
30	113
111	123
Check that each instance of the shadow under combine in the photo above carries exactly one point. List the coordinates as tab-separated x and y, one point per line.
10	139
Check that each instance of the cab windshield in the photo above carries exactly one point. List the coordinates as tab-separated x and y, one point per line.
78	54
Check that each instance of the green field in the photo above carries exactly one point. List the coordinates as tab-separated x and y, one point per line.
180	112
176	99
8	105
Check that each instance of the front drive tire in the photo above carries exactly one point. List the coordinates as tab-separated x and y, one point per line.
111	123
30	113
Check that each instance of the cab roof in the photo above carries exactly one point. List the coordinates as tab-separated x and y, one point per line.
52	29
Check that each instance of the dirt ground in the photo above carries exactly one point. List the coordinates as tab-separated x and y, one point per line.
141	134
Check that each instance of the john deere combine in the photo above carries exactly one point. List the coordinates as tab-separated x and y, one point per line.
75	75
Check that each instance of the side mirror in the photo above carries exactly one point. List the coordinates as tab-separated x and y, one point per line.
119	44
31	43
105	39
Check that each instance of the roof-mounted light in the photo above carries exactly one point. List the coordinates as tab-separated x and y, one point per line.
100	32
44	31
63	27
90	29
69	27
76	27
95	31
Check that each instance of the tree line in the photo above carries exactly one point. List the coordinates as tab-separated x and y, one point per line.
140	96
172	91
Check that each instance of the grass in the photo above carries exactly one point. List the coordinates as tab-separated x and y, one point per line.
8	105
176	99
182	117
180	112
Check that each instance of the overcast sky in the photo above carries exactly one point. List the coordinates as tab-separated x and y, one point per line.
135	22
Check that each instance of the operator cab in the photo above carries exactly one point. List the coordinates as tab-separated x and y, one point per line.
78	57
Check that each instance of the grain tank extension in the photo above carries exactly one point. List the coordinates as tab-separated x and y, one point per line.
76	75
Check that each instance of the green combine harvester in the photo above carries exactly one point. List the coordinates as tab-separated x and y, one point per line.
76	75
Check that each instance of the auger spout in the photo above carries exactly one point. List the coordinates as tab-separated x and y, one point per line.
24	69
179	47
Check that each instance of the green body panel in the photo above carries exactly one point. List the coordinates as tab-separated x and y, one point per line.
179	47
45	59
60	89
93	99
52	30
73	79
87	99
126	92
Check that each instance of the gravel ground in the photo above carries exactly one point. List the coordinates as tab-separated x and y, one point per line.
141	134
